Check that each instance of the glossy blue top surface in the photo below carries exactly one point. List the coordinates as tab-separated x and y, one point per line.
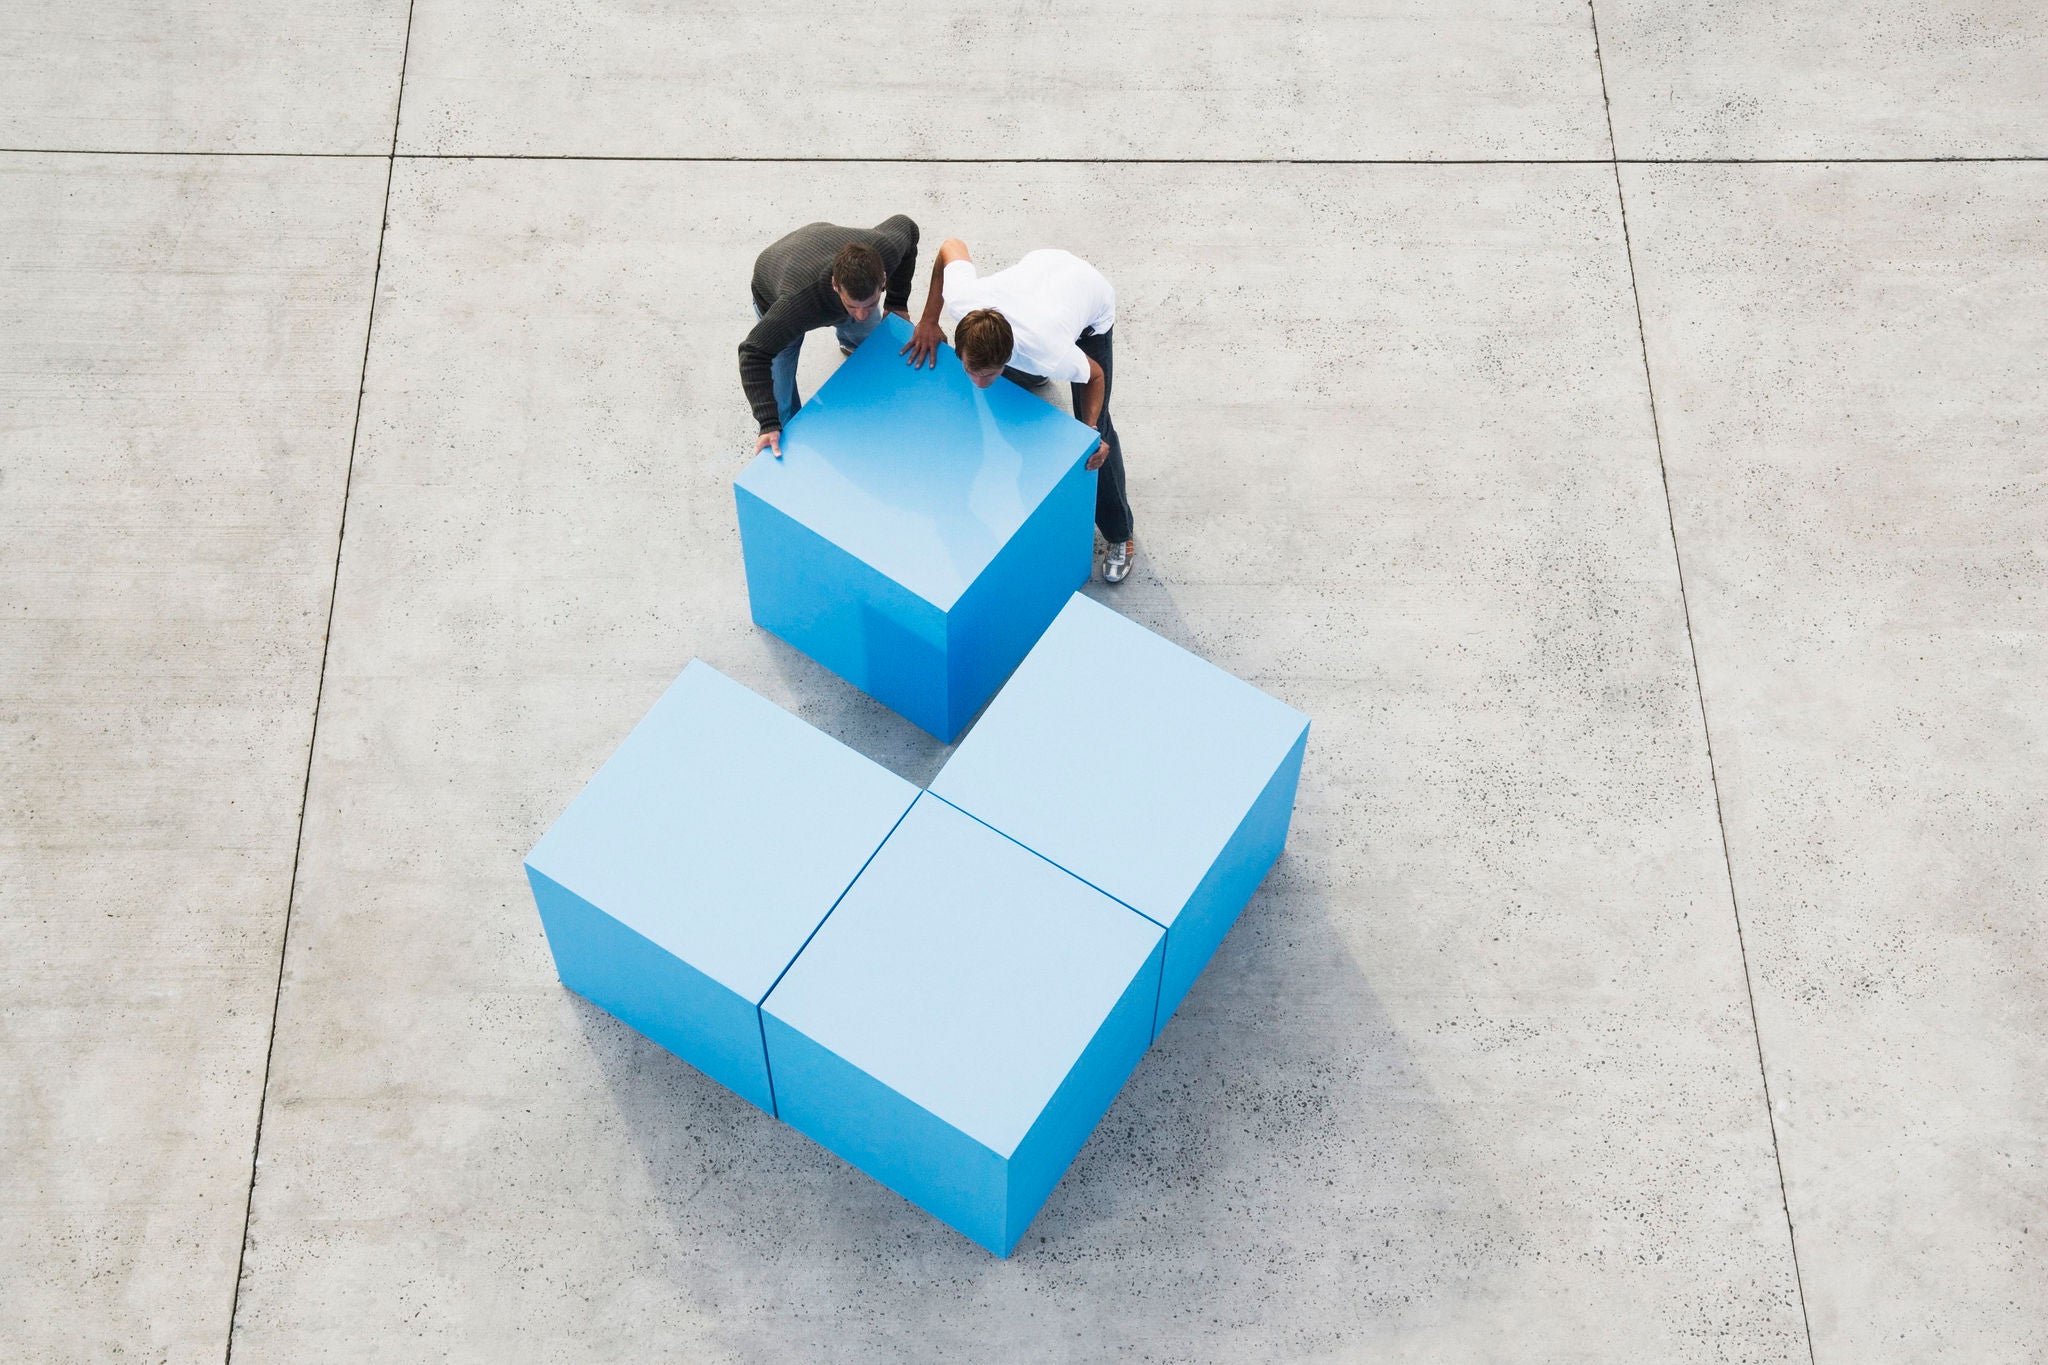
723	829
1136	787
917	472
965	973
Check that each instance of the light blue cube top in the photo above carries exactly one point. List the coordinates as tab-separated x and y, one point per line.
965	973
723	830
916	472
1122	757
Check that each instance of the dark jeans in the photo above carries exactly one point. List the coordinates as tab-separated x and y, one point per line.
1112	507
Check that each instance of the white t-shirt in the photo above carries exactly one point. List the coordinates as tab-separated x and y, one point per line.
1049	298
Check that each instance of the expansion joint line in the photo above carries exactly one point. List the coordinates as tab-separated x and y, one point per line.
1699	689
319	694
685	159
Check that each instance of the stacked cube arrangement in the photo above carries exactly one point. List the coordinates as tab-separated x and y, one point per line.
949	988
917	533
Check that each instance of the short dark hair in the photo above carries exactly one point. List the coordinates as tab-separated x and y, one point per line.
984	339
857	270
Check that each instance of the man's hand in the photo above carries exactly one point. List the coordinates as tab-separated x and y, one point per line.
926	336
1101	454
923	347
770	441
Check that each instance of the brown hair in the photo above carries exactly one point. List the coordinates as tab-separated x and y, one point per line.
857	269
984	339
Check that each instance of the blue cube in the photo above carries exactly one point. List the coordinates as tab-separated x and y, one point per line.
918	533
1171	790
962	1022
681	882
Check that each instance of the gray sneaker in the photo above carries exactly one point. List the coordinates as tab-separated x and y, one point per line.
1116	561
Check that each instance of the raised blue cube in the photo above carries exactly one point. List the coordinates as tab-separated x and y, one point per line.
962	1021
693	867
918	533
1170	790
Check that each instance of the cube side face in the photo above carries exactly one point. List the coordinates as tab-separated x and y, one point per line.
857	1118
1077	1107
841	612
654	992
1227	887
1002	615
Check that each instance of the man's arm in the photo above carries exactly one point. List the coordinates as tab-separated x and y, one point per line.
778	327
1090	408
897	300
925	338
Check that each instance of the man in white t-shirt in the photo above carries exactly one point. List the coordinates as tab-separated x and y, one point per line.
1047	317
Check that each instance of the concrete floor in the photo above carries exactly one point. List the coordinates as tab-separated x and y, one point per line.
1619	428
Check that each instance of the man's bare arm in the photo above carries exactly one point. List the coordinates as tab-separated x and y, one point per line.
1092	398
923	346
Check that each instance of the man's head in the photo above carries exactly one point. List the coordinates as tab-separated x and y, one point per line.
858	276
984	341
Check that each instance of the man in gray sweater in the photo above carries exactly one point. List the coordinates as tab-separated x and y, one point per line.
821	275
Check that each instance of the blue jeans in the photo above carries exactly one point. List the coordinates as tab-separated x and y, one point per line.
1112	506
783	368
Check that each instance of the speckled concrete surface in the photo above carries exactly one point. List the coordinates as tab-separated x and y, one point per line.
952	78
1826	78
1477	1077
1851	365
201	75
177	380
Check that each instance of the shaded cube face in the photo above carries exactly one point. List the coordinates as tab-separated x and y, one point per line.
962	1021
691	869
917	533
1203	766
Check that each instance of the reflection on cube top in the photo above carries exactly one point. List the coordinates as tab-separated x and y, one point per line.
687	874
917	533
962	1021
1141	769
915	472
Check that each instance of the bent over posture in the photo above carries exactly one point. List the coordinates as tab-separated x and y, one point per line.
1048	316
821	275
